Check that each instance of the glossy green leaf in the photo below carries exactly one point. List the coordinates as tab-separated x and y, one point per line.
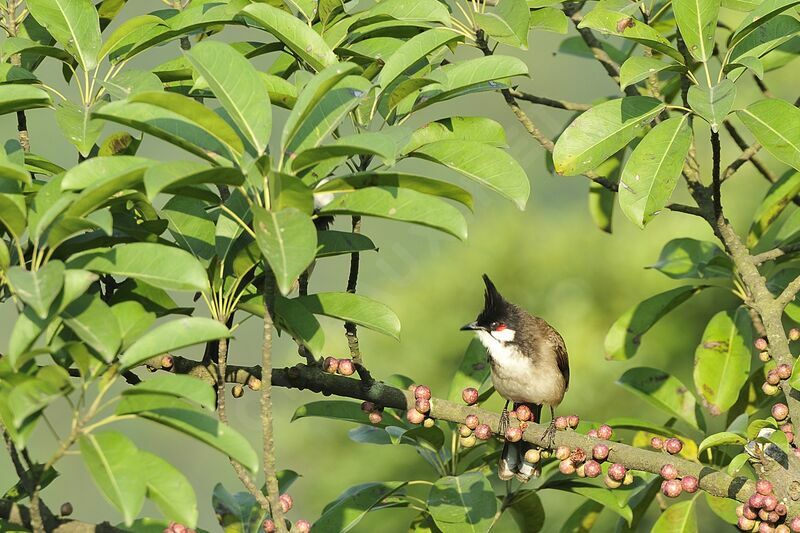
583	519
113	462
300	323
662	390
778	197
354	308
623	25
463	503
76	124
412	51
775	124
369	143
722	360
169	489
15	74
171	336
625	335
39	288
18	492
725	508
298	36
171	176
125	36
677	518
191	226
345	410
549	19
596	493
133	320
401	204
34	51
725	438
90	318
165	267
763	12
457	128
288	241
392	179
418	11
765	38
183	386
130	82
75	24
638	68
527	511
697	21
345	512
331	242
689	258
31	394
238	512
100	178
653	168
713	104
21	97
120	143
601	132
506	23
239	88
473	371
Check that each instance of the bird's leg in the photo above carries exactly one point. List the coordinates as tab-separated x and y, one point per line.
550	433
504	420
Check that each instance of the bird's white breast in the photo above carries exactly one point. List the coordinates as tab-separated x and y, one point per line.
519	378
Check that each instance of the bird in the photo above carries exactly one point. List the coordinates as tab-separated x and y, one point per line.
529	365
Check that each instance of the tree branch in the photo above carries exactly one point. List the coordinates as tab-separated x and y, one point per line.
350	328
20	515
788	293
775	253
749	154
549	102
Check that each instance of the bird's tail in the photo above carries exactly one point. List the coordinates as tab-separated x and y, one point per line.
510	461
528	469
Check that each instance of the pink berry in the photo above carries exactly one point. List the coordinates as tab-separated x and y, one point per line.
524	413
773	378
617	472
330	365
689	484
781	509
600	452
470	396
761	343
749	513
770	502
780	411
577	456
422	405
513	434
375	417
605	432
672	488
269	526
346	367
483	432
673	445
763	487
562	452
765	527
592	433
794	525
566	467
756	501
773	517
561	423
789	437
787	428
166	362
794	334
573	421
414	416
592	468
302	526
367	407
423	392
669	472
784	371
657	443
471	421
286	502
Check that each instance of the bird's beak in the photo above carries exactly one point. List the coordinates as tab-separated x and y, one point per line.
472	326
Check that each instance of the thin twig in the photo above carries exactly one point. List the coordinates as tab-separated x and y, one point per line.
549	102
775	253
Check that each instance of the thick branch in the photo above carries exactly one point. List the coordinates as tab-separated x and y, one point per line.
20	515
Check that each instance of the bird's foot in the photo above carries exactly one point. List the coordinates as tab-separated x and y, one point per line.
549	436
504	422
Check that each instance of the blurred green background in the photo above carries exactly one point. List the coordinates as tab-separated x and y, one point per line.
549	258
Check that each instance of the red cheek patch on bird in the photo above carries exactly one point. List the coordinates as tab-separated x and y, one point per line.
500	327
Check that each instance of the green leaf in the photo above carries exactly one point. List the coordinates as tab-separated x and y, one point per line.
171	336
172	176
15	74
662	390
21	97
300	323
192	226
775	124
491	167
463	503
180	386
18	492
169	489
417	11
724	438
74	24
689	258
527	511
697	21
131	82
765	38
725	508
625	26
120	143
298	36
763	12
133	320
391	179
722	360
353	308
76	125
40	288
92	321
161	266
713	104
346	511
506	23
601	132
113	462
238	512
288	240
239	88
472	372
601	495
549	19
678	518
414	50
334	409
583	519
369	143
400	204
331	242
100	178
778	197
126	35
624	336
32	394
638	68
479	129
653	168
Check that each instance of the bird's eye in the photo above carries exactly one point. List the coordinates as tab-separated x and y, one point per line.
498	326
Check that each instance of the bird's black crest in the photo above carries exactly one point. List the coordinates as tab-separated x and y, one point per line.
494	304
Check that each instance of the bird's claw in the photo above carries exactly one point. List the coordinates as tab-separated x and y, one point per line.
504	422
549	436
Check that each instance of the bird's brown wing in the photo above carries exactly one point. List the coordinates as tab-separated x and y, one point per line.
562	359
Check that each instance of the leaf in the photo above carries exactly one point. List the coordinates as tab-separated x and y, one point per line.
39	288
599	494
288	240
689	258
713	104
101	178
238	512
491	167
392	179
638	68
161	266
765	38
131	82
763	12
333	409
697	21
778	197
458	128
527	511
21	97
171	336
653	168
92	321
369	143
183	386
775	124
300	323
724	438
725	508
463	503
549	19
169	489
331	243
507	23
722	360
583	519
625	26
172	176
662	390
601	132
32	394
192	226
400	204
35	474
414	50
74	24
112	460
624	336
472	372
677	518
239	88
76	125
353	308
295	34
418	11
345	512
126	35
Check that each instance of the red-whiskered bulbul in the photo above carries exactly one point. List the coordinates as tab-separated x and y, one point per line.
529	365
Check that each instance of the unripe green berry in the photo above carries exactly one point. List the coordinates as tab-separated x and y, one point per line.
429	423
533	455
468	442
254	383
794	334
464	431
769	390
611	483
764	357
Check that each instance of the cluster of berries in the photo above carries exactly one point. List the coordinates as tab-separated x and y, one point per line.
780	372
422	406
301	526
344	367
764	513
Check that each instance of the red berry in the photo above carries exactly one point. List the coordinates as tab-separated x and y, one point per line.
562	452
561	423
657	443
375	417
524	413
592	468
784	371
600	452
513	434
781	509
573	421
605	432
763	487
773	378
672	488
794	525
302	526
346	367
592	433
689	484
423	392
617	472
470	395
330	365
745	524
669	472
770	502
765	527
673	445
471	421
749	512
166	362
483	432
414	416
756	501
787	428
577	456
367	407
566	467
286	502
794	334
761	343
780	411
269	526
422	405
